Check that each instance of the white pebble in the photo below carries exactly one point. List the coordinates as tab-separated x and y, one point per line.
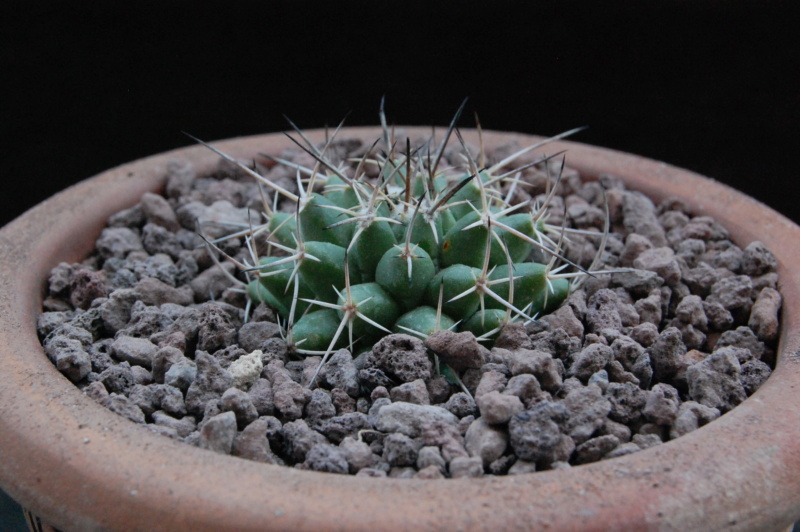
246	369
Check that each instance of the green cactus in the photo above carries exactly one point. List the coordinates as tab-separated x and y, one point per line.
419	249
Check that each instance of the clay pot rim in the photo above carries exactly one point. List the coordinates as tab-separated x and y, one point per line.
79	466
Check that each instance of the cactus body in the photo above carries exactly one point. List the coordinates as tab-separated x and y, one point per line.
315	330
405	278
375	305
422	321
371	246
362	257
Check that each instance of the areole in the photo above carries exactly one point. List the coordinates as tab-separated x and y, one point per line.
80	467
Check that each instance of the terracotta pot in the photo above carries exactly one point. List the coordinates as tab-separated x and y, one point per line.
80	467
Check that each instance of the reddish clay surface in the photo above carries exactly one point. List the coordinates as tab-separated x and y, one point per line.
80	467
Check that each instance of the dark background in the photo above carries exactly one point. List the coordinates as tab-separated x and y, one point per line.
711	86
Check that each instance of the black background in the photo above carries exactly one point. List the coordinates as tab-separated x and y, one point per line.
711	86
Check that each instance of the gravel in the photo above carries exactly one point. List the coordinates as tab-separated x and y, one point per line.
150	327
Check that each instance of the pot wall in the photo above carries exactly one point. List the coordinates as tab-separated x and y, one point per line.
81	467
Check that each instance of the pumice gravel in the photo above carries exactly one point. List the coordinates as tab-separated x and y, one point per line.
157	325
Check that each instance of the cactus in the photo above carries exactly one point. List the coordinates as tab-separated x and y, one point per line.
420	248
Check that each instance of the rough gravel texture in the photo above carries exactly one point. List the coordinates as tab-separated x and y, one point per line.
154	329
